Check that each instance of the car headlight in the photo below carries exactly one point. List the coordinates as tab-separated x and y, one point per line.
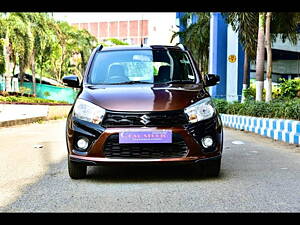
200	110
87	111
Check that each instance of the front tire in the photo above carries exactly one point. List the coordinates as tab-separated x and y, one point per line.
76	170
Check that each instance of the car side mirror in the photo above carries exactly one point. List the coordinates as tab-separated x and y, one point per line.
71	81
211	79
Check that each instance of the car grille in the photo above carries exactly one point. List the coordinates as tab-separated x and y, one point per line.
176	149
133	119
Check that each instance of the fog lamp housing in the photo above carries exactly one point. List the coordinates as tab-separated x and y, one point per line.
82	143
207	142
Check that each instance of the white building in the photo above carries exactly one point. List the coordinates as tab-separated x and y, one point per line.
151	28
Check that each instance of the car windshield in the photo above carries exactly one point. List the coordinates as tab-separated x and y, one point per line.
141	66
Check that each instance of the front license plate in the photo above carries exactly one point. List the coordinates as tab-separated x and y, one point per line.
130	137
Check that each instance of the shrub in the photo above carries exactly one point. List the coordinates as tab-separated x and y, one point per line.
289	88
221	105
25	90
249	93
4	93
24	99
47	93
284	109
234	108
276	93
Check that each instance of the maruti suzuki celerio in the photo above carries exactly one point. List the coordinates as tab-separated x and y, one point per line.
142	105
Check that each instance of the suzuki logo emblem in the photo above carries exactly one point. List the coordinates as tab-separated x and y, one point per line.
145	119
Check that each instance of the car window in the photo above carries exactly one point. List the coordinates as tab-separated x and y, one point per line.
149	66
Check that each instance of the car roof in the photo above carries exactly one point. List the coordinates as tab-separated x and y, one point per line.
138	47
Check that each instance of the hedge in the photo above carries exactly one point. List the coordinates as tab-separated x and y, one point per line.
283	109
23	99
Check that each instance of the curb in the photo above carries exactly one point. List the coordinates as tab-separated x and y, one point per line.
11	115
21	121
277	129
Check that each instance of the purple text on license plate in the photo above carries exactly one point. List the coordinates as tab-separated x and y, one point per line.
145	137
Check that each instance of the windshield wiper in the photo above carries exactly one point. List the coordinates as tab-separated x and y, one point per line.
180	82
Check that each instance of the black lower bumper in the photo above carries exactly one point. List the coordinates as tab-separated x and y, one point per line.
140	162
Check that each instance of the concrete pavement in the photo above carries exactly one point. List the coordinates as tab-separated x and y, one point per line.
257	175
17	114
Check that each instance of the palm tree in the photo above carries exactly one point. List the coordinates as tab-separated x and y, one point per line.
260	56
284	25
21	40
67	42
5	50
196	38
39	24
245	23
36	31
269	58
71	42
84	44
17	43
36	41
2	56
48	44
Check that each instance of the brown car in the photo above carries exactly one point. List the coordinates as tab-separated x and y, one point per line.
142	105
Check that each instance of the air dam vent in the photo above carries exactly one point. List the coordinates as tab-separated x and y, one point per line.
177	149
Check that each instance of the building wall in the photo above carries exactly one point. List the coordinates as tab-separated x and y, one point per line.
130	31
287	45
287	69
161	28
156	28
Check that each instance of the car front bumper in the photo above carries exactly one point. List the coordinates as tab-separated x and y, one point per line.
98	161
98	135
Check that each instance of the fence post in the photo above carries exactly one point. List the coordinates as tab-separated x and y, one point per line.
15	84
7	81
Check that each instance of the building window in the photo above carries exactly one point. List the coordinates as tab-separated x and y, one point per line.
145	41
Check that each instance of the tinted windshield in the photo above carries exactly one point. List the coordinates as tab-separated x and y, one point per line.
141	66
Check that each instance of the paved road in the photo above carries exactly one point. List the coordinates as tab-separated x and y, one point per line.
258	175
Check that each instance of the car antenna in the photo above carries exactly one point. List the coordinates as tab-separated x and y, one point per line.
142	33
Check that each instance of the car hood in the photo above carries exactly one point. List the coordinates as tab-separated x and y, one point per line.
144	97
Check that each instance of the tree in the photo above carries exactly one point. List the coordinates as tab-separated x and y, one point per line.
43	29
283	25
49	43
38	28
22	40
37	42
260	56
196	38
114	41
60	49
3	44
84	44
17	43
246	24
269	58
6	49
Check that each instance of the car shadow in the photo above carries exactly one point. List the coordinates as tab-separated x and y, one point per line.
36	197
146	173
